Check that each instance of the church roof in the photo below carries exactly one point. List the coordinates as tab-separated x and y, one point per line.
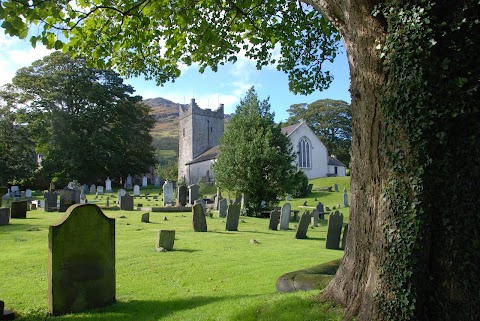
334	162
211	153
290	129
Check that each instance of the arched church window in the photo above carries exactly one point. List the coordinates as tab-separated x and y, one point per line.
304	153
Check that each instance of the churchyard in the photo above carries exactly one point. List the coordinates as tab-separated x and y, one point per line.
213	275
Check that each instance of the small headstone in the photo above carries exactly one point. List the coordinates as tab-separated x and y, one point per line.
50	198
155	197
167	193
85	189
67	198
274	219
18	209
165	240
136	190
289	197
335	224
144	181
182	194
108	185
81	271
285	217
193	193
233	216
4	215
345	197
344	236
305	203
165	218
315	218
335	186
28	193
302	227
126	203
15	190
107	203
100	190
199	221
217	197
321	210
222	208
93	189
146	218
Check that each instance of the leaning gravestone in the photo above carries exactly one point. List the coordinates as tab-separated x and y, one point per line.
146	218
335	224
182	195
4	216
285	218
193	193
303	225
344	236
18	209
274	218
198	220
50	198
81	267
233	216
67	198
165	240
136	190
167	193
315	217
126	202
222	208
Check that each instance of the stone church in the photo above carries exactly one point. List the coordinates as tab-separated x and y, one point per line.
200	131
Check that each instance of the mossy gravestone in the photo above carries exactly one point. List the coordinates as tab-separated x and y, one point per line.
199	221
81	269
233	215
335	224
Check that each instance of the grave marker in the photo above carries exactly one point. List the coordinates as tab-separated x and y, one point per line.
108	185
233	216
182	195
50	198
168	193
81	270
146	218
274	219
67	198
100	190
144	181
126	203
302	227
193	193
198	218
165	240
315	217
136	190
222	208
128	183
335	223
345	197
344	236
18	209
285	218
4	216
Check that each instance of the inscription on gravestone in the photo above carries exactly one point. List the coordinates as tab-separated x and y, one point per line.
233	217
335	223
303	225
81	261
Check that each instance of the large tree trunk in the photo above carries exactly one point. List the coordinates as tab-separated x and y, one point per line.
424	278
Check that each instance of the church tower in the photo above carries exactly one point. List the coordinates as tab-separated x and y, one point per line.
199	130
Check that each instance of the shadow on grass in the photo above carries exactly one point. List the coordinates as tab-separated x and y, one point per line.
315	238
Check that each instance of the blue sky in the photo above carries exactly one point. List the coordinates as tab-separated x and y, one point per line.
228	85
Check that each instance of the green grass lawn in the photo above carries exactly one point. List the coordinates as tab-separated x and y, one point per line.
216	275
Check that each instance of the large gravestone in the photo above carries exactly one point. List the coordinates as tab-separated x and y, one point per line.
315	217
193	193
81	270
344	236
198	218
126	202
108	185
4	215
167	193
222	208
136	190
233	216
302	227
334	230
274	219
18	209
50	198
285	217
68	198
165	240
182	195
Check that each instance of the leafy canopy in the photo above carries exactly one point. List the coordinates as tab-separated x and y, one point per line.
256	157
155	38
331	120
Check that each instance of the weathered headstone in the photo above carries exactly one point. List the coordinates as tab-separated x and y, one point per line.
193	193
302	227
182	195
334	230
199	221
85	190
201	201
335	186
108	185
285	216
146	218
50	201
168	193
100	190
321	210
93	189
222	208
121	192
165	240
126	202
107	203
15	190
345	197
315	217
18	209
274	219
157	181
4	215
233	216
28	193
68	198
129	183
344	237
81	261
144	181
136	190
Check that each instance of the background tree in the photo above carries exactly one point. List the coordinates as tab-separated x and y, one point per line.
83	120
415	120
256	157
331	120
